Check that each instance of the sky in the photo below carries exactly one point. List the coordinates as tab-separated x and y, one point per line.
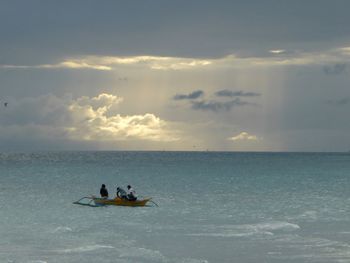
195	75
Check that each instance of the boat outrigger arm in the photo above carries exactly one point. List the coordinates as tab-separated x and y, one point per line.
89	203
95	201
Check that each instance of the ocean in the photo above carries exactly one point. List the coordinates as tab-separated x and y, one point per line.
212	207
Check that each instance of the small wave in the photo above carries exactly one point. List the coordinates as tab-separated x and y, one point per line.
85	248
248	234
274	253
62	229
276	226
260	229
143	253
310	215
194	260
317	249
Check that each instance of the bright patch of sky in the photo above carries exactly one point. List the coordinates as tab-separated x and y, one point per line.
181	75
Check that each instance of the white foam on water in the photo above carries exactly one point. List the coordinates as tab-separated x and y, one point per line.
274	253
248	230
62	229
304	242
227	235
313	249
309	215
140	254
85	248
143	253
276	225
194	260
325	243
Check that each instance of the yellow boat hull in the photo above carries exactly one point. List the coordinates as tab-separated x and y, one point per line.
120	202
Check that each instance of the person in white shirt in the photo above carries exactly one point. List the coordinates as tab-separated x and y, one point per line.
131	194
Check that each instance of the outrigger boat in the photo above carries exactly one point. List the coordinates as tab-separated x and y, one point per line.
96	201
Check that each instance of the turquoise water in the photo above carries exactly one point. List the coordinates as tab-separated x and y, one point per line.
213	207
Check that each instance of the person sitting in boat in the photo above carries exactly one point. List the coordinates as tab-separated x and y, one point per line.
131	194
104	191
121	193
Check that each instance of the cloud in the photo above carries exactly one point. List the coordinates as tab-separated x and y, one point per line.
277	51
235	31
82	119
288	58
102	101
278	57
109	63
334	69
340	102
193	95
217	106
95	120
67	64
229	93
214	105
273	58
244	136
152	62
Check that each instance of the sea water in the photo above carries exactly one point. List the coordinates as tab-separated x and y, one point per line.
213	207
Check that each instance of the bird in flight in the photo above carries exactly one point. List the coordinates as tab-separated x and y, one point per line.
5	104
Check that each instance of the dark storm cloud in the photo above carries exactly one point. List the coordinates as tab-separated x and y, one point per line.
230	93
217	106
34	31
193	95
335	69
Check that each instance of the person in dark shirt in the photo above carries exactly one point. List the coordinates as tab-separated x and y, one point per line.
121	193
103	191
